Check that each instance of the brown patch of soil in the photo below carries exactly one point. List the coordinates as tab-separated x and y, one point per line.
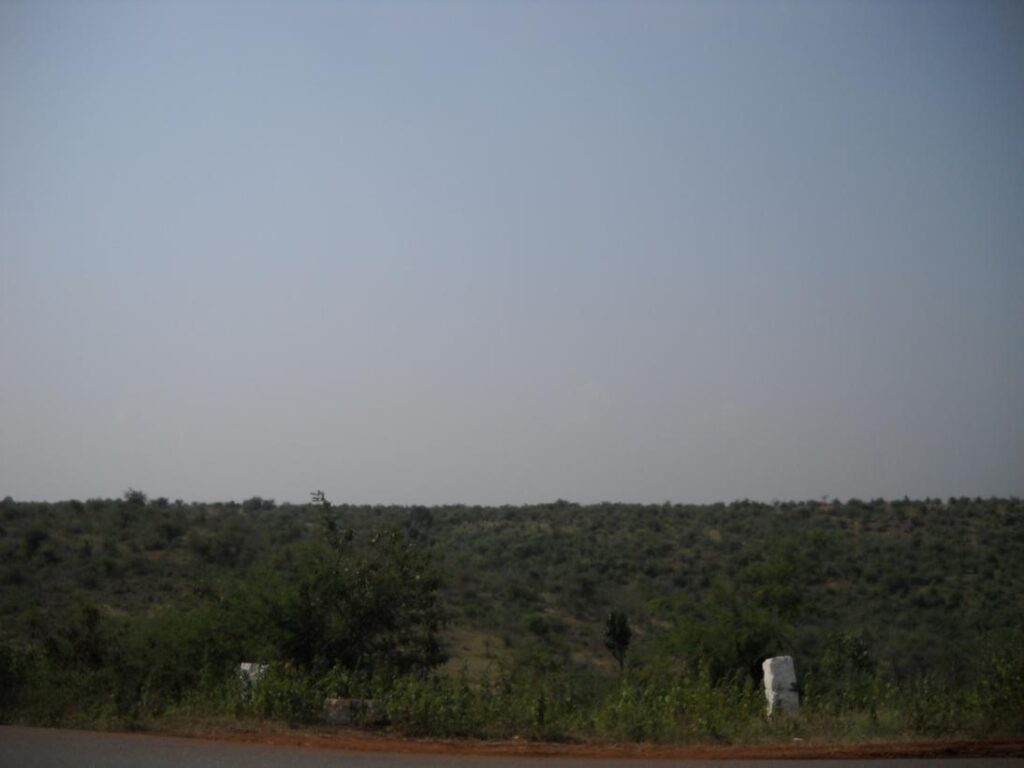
355	740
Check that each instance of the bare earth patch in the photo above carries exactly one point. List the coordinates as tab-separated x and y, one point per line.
355	740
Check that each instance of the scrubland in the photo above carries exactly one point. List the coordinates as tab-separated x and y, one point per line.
904	617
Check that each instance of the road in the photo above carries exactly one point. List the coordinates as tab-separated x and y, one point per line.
51	748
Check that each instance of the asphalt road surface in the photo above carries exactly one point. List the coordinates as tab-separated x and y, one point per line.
49	748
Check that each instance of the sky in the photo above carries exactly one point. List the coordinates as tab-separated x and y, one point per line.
509	252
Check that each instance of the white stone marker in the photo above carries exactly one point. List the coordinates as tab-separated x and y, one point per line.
251	672
780	685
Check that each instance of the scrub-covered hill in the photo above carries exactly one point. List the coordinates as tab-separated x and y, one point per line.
916	580
878	593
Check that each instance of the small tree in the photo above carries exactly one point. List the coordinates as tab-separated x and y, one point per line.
617	635
360	607
135	497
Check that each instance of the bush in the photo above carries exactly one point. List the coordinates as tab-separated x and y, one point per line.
13	675
285	693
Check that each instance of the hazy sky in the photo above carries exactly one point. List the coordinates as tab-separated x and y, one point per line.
508	252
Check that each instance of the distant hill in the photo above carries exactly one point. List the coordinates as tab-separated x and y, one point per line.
913	583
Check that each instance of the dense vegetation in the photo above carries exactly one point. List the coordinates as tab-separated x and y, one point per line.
557	621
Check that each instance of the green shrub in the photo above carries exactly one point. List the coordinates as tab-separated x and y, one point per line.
285	693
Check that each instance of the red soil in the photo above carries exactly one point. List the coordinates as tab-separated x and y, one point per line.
355	740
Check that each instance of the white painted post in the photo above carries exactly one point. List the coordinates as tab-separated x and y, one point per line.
780	685
250	672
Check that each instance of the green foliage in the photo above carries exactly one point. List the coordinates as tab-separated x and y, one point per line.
845	677
14	674
903	616
135	497
434	706
617	635
285	693
689	707
358	609
733	629
34	538
999	693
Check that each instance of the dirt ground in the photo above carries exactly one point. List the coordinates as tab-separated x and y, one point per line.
367	741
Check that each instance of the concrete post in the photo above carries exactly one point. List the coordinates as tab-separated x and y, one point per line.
780	685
